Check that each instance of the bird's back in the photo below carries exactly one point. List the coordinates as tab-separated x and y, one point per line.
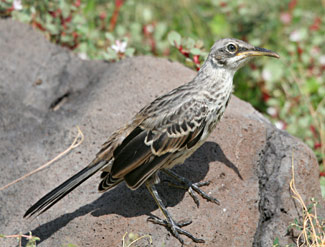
162	134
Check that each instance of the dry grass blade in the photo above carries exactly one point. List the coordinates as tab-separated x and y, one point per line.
31	239
76	142
132	236
312	233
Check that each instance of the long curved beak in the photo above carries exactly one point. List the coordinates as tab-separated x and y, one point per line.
257	51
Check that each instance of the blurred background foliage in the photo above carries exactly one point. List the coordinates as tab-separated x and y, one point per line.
289	91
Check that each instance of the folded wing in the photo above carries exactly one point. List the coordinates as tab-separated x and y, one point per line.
147	148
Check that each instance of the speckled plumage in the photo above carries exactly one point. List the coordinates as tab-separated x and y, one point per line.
177	123
165	132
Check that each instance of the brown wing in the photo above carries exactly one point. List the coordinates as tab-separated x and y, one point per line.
149	145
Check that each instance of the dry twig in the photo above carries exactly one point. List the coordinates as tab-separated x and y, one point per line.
312	233
76	142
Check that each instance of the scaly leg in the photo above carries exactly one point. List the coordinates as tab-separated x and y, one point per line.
169	223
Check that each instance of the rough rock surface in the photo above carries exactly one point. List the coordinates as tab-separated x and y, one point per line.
46	90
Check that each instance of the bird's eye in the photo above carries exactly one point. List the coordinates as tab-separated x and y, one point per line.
231	48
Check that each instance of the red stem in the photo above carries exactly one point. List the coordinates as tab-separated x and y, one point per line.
113	21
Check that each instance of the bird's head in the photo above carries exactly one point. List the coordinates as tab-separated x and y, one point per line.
232	54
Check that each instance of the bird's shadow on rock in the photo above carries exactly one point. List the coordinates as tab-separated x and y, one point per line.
128	203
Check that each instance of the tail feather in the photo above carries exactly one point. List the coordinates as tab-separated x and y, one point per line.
65	188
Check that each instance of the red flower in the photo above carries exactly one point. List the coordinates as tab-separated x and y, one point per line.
265	96
292	4
77	3
317	145
102	16
223	4
285	17
118	3
316	25
196	59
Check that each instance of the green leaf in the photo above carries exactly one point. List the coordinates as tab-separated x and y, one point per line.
273	102
82	47
189	43
174	38
65	8
321	91
93	34
129	51
66	39
273	70
32	242
110	37
110	54
219	25
276	242
195	51
199	44
90	6
53	29
21	16
147	14
120	30
160	30
311	86
304	121
136	31
78	19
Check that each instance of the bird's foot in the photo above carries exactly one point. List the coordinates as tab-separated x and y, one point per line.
191	187
175	228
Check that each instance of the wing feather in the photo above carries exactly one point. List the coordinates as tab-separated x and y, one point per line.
177	129
131	155
152	142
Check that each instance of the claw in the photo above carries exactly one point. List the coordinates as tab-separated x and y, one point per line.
156	220
196	200
203	183
175	228
169	223
203	194
191	187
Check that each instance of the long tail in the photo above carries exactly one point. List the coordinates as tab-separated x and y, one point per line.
65	188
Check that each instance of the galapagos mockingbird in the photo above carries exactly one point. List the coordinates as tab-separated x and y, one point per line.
165	133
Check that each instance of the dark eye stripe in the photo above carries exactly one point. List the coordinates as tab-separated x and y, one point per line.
243	49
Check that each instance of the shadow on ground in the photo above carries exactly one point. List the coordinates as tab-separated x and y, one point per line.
118	200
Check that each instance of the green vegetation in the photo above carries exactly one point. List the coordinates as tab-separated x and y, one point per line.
31	240
290	91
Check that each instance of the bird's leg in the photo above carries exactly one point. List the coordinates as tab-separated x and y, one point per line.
191	187
169	223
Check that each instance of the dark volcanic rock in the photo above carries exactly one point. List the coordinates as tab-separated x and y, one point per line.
46	90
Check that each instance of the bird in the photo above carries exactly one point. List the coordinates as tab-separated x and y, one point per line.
165	133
